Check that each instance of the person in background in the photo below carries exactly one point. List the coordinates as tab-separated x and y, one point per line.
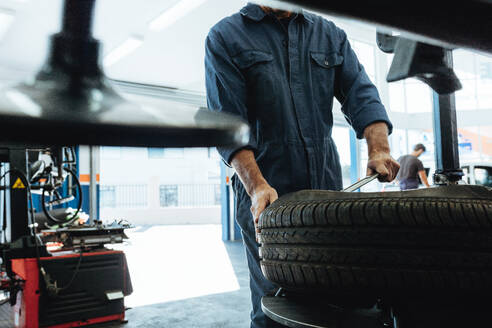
411	168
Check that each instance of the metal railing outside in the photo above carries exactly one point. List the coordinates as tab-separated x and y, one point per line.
123	196
168	195
189	195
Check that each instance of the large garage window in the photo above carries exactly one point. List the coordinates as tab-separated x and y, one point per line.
341	136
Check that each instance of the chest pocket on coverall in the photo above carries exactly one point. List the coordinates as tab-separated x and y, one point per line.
323	68
257	68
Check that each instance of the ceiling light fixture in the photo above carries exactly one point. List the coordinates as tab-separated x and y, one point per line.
130	45
6	19
174	13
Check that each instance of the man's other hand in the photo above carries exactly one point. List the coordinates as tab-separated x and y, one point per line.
383	164
261	197
258	189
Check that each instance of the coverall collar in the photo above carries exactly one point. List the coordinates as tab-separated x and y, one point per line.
254	12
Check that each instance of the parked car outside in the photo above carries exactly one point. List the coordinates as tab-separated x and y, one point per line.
478	174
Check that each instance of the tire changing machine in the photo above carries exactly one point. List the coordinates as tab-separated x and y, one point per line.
78	282
432	65
71	102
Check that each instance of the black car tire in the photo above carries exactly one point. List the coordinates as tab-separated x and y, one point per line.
437	238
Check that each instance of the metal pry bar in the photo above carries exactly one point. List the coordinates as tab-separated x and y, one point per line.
361	183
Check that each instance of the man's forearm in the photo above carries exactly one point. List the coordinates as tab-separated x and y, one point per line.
244	163
258	189
376	136
380	160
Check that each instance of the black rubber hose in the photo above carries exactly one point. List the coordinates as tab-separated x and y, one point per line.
52	219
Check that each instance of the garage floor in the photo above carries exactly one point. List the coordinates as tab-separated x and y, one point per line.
5	318
185	276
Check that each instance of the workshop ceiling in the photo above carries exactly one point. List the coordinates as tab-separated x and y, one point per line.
168	56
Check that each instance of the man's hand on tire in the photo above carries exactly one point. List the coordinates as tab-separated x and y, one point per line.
261	197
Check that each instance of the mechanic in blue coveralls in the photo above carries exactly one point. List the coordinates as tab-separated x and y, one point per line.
280	71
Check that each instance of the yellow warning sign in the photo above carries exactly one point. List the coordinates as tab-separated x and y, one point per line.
18	184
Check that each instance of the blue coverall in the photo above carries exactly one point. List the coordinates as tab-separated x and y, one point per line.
282	81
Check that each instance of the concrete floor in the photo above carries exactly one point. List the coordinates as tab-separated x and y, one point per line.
194	262
185	276
5	317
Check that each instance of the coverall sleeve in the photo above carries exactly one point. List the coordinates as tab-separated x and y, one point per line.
226	89
359	97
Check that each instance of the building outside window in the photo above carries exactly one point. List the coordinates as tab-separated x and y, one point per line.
108	196
161	153
109	153
155	153
217	194
123	196
168	195
190	195
174	153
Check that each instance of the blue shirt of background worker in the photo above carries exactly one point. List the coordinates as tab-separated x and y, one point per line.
281	75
